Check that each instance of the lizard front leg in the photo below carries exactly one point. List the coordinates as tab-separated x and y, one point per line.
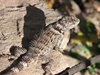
63	41
17	51
47	67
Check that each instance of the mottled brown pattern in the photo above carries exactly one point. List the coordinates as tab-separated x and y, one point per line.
45	42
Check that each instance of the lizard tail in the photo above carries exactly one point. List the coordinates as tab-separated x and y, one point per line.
14	70
22	64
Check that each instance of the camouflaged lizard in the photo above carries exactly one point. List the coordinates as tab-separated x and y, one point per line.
49	38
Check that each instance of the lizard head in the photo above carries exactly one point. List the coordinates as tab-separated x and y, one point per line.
66	23
69	22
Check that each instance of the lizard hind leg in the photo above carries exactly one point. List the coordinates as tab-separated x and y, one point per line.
17	51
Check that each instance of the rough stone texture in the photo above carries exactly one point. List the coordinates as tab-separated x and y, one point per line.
10	28
4	62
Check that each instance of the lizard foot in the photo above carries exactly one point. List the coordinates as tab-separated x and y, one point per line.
47	67
17	51
47	72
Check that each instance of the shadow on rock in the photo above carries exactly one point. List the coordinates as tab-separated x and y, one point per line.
34	22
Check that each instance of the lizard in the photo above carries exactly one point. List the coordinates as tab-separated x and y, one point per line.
48	39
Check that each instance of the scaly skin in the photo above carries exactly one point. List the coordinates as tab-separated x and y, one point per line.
49	38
